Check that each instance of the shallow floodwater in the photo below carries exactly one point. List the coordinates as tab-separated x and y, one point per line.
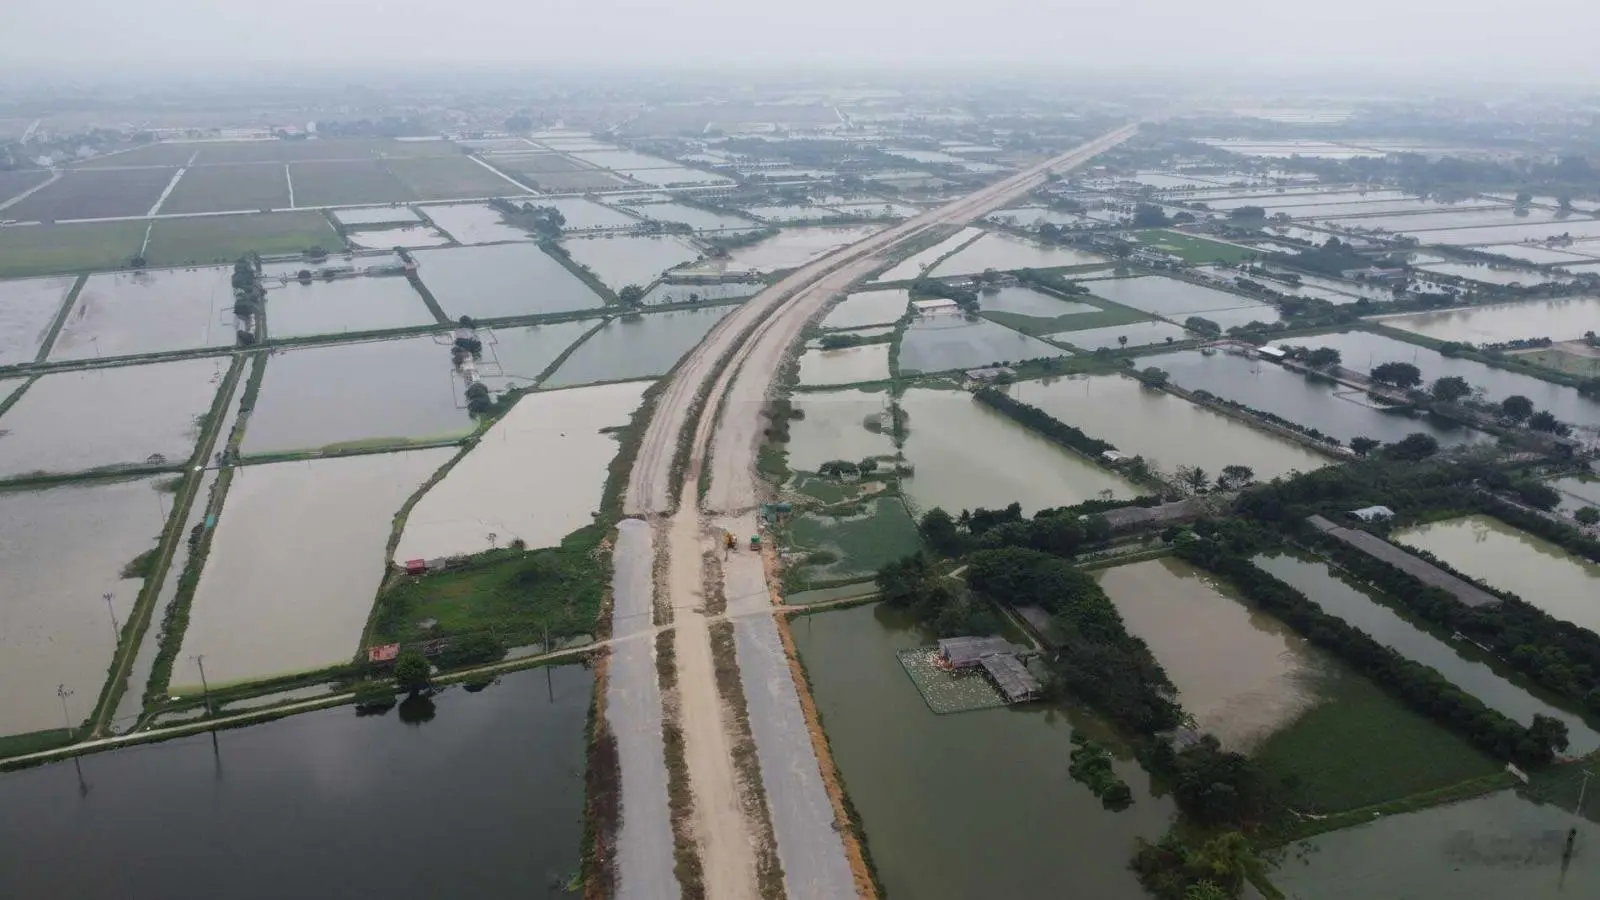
915	265
1007	251
376	215
128	313
411	236
1176	300
586	215
868	308
1546	576
622	260
299	309
1028	302
1487	274
105	418
376	392
1492	848
698	293
28	308
974	804
846	365
834	427
300	807
296	562
474	223
61	549
1562	319
502	280
1458	661
515	355
1331	408
1139	334
967	455
794	247
694	217
493	489
944	342
1166	430
642	346
1240	673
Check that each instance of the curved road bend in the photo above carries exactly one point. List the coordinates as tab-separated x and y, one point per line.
754	339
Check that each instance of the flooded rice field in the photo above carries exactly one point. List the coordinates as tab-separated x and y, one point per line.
506	821
793	247
967	455
474	223
1491	848
1035	216
868	308
1177	300
915	265
1546	576
701	293
1535	254
1025	829
128	313
1458	661
1362	350
123	416
693	216
1510	234
631	347
1576	492
667	177
779	215
344	305
1139	334
493	489
1487	274
621	260
372	393
1006	251
836	427
849	365
502	280
1562	319
61	549
1461	218
274	600
27	310
410	237
514	356
1141	421
376	215
941	343
585	215
1273	200
1332	409
1028	302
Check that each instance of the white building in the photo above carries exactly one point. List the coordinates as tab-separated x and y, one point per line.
939	307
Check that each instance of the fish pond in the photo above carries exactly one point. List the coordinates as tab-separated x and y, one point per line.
475	223
943	342
868	308
1005	252
636	259
28	307
1139	334
502	280
129	313
848	365
636	346
301	309
915	265
514	356
792	248
849	425
1560	319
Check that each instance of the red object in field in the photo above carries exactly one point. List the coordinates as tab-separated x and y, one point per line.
416	566
383	653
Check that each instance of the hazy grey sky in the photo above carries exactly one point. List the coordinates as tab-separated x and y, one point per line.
1411	37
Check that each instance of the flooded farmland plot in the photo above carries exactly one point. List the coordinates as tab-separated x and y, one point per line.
1141	421
493	489
27	310
791	248
941	343
1333	409
410	237
585	215
1043	834
693	216
848	365
1546	576
836	426
1006	251
621	260
664	293
376	393
855	546
1362	350
1535	254
1491	848
1487	274
128	313
377	215
1560	319
121	417
1241	674
1178	300
1461	218
343	305
1576	492
514	356
507	820
1472	673
1139	334
474	223
868	308
917	264
61	549
779	215
670	177
1028	302
1510	234
502	280
630	347
274	600
967	455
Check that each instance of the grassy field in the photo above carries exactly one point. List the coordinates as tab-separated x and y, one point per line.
852	547
337	183
89	194
221	239
49	249
229	189
15	182
210	152
1360	746
1110	315
514	593
1192	249
1562	361
449	178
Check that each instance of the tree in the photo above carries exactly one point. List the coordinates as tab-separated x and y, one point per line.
1248	213
412	672
1450	388
1536	494
1153	376
1202	326
1587	516
941	533
1206	890
1363	445
1149	215
373	697
1235	477
1399	374
1549	733
1196	478
1323	358
1524	198
1122	340
1544	421
631	295
1413	447
1516	407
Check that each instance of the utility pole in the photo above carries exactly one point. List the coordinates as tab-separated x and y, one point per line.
200	660
116	630
1582	789
66	717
